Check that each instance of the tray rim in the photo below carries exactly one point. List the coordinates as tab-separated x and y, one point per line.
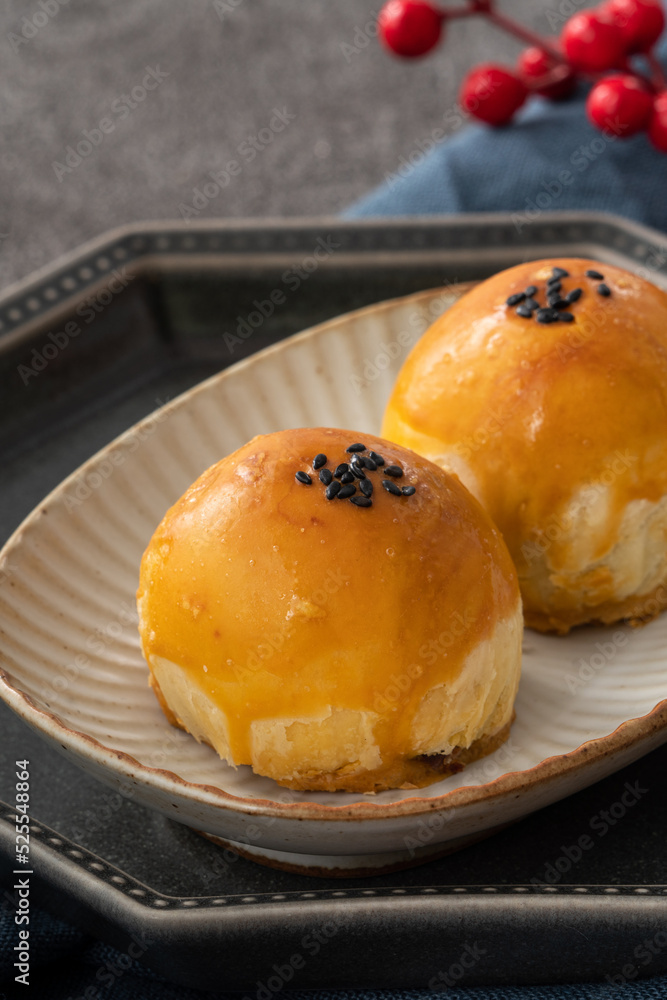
313	222
63	851
623	902
17	295
172	930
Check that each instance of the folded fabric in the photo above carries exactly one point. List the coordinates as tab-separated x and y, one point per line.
549	159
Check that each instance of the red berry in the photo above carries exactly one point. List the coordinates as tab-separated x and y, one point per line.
657	128
620	104
410	27
534	64
592	43
641	21
492	94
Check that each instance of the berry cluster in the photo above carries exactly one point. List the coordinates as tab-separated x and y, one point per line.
595	44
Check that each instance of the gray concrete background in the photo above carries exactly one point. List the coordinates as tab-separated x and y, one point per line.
229	64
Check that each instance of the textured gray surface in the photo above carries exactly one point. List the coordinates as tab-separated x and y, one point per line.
230	63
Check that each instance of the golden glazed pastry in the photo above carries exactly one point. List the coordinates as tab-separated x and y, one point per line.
332	645
559	428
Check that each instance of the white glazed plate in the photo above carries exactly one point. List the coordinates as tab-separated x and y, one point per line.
588	704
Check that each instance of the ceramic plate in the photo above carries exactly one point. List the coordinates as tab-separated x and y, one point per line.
588	704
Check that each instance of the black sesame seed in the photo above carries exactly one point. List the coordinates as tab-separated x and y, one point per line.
408	491
347	477
366	487
531	290
361	501
558	303
356	460
595	274
532	304
514	300
546	315
326	475
394	470
553	285
378	459
346	491
356	447
391	487
574	295
566	317
319	461
303	477
524	311
553	299
370	464
560	272
340	469
604	291
358	472
332	490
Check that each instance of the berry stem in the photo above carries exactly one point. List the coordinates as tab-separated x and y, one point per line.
658	78
525	34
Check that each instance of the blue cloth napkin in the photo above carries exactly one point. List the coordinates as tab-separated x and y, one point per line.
550	159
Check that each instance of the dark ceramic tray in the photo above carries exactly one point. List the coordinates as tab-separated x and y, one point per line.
524	906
